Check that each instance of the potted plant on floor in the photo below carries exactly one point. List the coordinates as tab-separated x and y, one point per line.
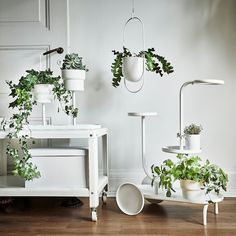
196	178
131	66
73	72
192	136
24	94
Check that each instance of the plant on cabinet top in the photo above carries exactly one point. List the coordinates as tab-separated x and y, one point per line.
153	63
23	95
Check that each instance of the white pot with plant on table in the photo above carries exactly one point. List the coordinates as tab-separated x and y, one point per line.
192	137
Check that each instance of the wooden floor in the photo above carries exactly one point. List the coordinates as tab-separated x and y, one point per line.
46	217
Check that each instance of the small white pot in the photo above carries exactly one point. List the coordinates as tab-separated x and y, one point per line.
43	93
133	68
73	79
192	190
192	142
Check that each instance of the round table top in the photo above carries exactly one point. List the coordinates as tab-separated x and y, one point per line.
142	113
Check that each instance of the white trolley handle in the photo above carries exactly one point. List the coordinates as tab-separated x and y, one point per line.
143	44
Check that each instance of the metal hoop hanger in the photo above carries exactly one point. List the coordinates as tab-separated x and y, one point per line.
143	45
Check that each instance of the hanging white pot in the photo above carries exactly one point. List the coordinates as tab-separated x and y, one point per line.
192	190
73	79
192	142
133	68
43	93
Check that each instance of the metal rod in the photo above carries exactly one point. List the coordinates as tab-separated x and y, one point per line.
143	140
181	114
73	104
44	114
68	25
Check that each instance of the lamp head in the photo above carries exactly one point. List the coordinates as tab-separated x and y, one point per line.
208	82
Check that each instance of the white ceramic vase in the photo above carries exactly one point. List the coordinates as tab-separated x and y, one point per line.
133	68
73	79
192	190
192	142
43	93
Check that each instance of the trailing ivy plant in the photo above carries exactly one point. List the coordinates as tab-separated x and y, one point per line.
73	61
153	62
22	93
210	175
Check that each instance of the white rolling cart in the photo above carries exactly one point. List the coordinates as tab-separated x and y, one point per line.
97	183
145	191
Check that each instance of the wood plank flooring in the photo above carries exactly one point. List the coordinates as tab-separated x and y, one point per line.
44	216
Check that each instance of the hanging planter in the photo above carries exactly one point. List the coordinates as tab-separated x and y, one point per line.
131	66
192	137
73	72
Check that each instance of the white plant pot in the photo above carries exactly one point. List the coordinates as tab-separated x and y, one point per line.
129	199
73	79
133	68
192	190
192	142
43	93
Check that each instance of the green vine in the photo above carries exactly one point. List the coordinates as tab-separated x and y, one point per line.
22	93
154	63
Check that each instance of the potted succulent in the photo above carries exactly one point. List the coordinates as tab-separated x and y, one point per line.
24	96
131	66
192	136
196	178
73	72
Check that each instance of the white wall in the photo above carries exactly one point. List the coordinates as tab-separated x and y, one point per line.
198	37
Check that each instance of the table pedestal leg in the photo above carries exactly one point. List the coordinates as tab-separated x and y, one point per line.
205	207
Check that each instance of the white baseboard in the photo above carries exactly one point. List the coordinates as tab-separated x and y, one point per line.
117	177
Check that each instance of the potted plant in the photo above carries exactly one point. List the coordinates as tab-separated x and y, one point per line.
24	100
73	72
131	66
196	178
192	136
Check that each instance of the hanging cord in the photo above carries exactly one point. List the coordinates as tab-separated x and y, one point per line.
135	18
133	9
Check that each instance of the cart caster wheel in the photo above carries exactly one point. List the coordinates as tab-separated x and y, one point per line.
104	198
94	215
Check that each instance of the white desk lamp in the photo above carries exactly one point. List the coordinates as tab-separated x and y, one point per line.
200	82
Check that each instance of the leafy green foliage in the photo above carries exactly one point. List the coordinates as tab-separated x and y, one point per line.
73	61
166	178
211	176
188	168
193	129
22	93
214	177
154	63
